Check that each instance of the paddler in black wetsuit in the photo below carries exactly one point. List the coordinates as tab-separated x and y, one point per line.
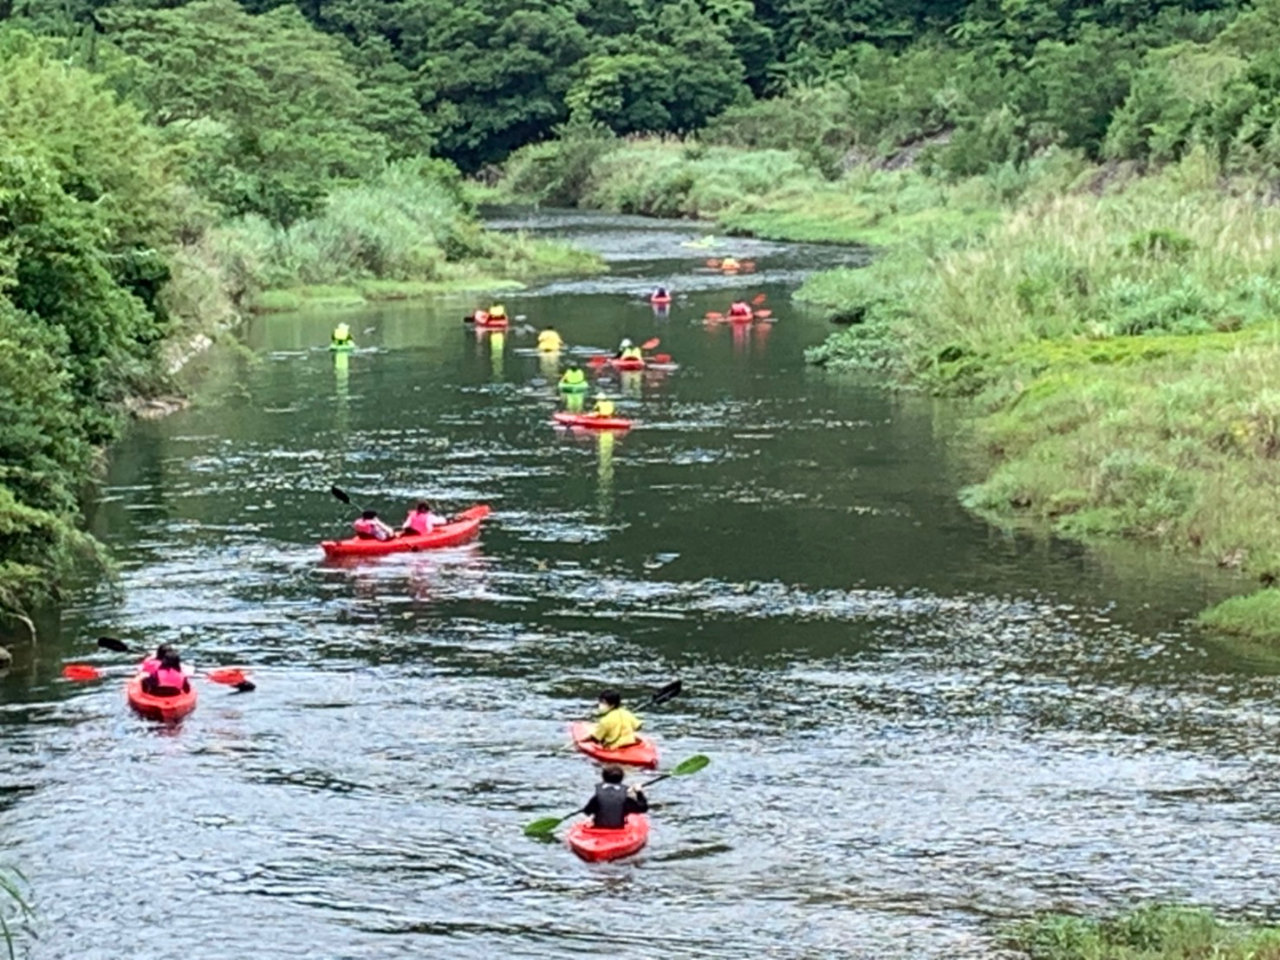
612	802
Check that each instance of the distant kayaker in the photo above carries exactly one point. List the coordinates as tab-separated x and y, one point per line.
616	726
604	406
168	680
152	663
369	527
609	806
573	379
627	351
341	335
549	341
661	294
740	309
421	521
497	312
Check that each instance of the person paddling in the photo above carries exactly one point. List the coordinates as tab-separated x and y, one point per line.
573	379
341	336
369	527
420	521
616	726
612	802
740	309
628	351
167	680
549	341
604	406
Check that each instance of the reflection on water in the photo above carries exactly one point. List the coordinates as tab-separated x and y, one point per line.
919	726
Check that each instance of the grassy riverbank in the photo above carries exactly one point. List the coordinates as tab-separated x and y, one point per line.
1151	933
1116	332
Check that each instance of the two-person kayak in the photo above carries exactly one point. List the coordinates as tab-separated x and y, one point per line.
461	529
165	709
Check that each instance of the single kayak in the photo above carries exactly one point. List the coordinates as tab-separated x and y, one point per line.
461	529
630	363
342	347
592	421
640	754
592	844
659	301
166	709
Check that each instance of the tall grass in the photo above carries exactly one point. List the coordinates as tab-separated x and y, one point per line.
1148	933
13	905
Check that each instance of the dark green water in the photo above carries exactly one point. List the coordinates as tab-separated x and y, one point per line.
919	727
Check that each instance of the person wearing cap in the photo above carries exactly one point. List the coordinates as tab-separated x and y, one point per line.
616	726
341	336
604	406
626	351
612	802
369	527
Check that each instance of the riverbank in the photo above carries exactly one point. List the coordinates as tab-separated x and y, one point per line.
1113	329
1150	933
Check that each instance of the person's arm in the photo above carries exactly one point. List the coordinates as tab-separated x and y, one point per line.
592	806
637	802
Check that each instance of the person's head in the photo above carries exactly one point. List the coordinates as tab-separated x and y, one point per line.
611	774
163	651
609	699
171	660
550	329
370	515
422	507
625	343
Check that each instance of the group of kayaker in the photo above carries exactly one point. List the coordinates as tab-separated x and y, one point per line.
162	674
615	728
419	522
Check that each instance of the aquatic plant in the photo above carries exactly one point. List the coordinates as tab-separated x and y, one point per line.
1161	932
11	890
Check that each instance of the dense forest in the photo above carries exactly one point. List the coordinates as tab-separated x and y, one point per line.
164	163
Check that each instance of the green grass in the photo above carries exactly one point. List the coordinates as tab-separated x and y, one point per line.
332	297
1148	933
1255	617
12	883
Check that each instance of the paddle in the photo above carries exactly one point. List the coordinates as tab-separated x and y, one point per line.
759	299
663	694
540	828
229	676
342	495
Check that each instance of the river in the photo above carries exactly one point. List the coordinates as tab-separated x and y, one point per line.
920	728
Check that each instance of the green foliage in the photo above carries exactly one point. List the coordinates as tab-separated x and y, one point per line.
1254	617
1147	933
11	890
271	115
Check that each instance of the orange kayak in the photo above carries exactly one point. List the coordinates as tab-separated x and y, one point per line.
592	844
640	754
465	526
165	709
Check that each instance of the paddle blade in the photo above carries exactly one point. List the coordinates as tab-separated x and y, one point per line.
111	643
597	361
246	686
759	299
671	690
650	344
692	765
540	828
713	315
662	358
763	314
478	512
230	676
713	263
340	494
81	671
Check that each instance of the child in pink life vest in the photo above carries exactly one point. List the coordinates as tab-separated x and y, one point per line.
421	520
168	680
152	663
369	527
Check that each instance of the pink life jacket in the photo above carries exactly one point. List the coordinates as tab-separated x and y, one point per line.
365	528
740	309
150	665
419	523
174	679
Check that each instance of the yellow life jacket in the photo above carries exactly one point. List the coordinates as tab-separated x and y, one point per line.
573	378
604	408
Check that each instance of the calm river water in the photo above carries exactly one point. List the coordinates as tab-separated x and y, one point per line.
919	727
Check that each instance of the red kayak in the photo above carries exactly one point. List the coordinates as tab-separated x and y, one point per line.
659	301
630	363
640	754
592	844
591	420
166	709
482	319
463	527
